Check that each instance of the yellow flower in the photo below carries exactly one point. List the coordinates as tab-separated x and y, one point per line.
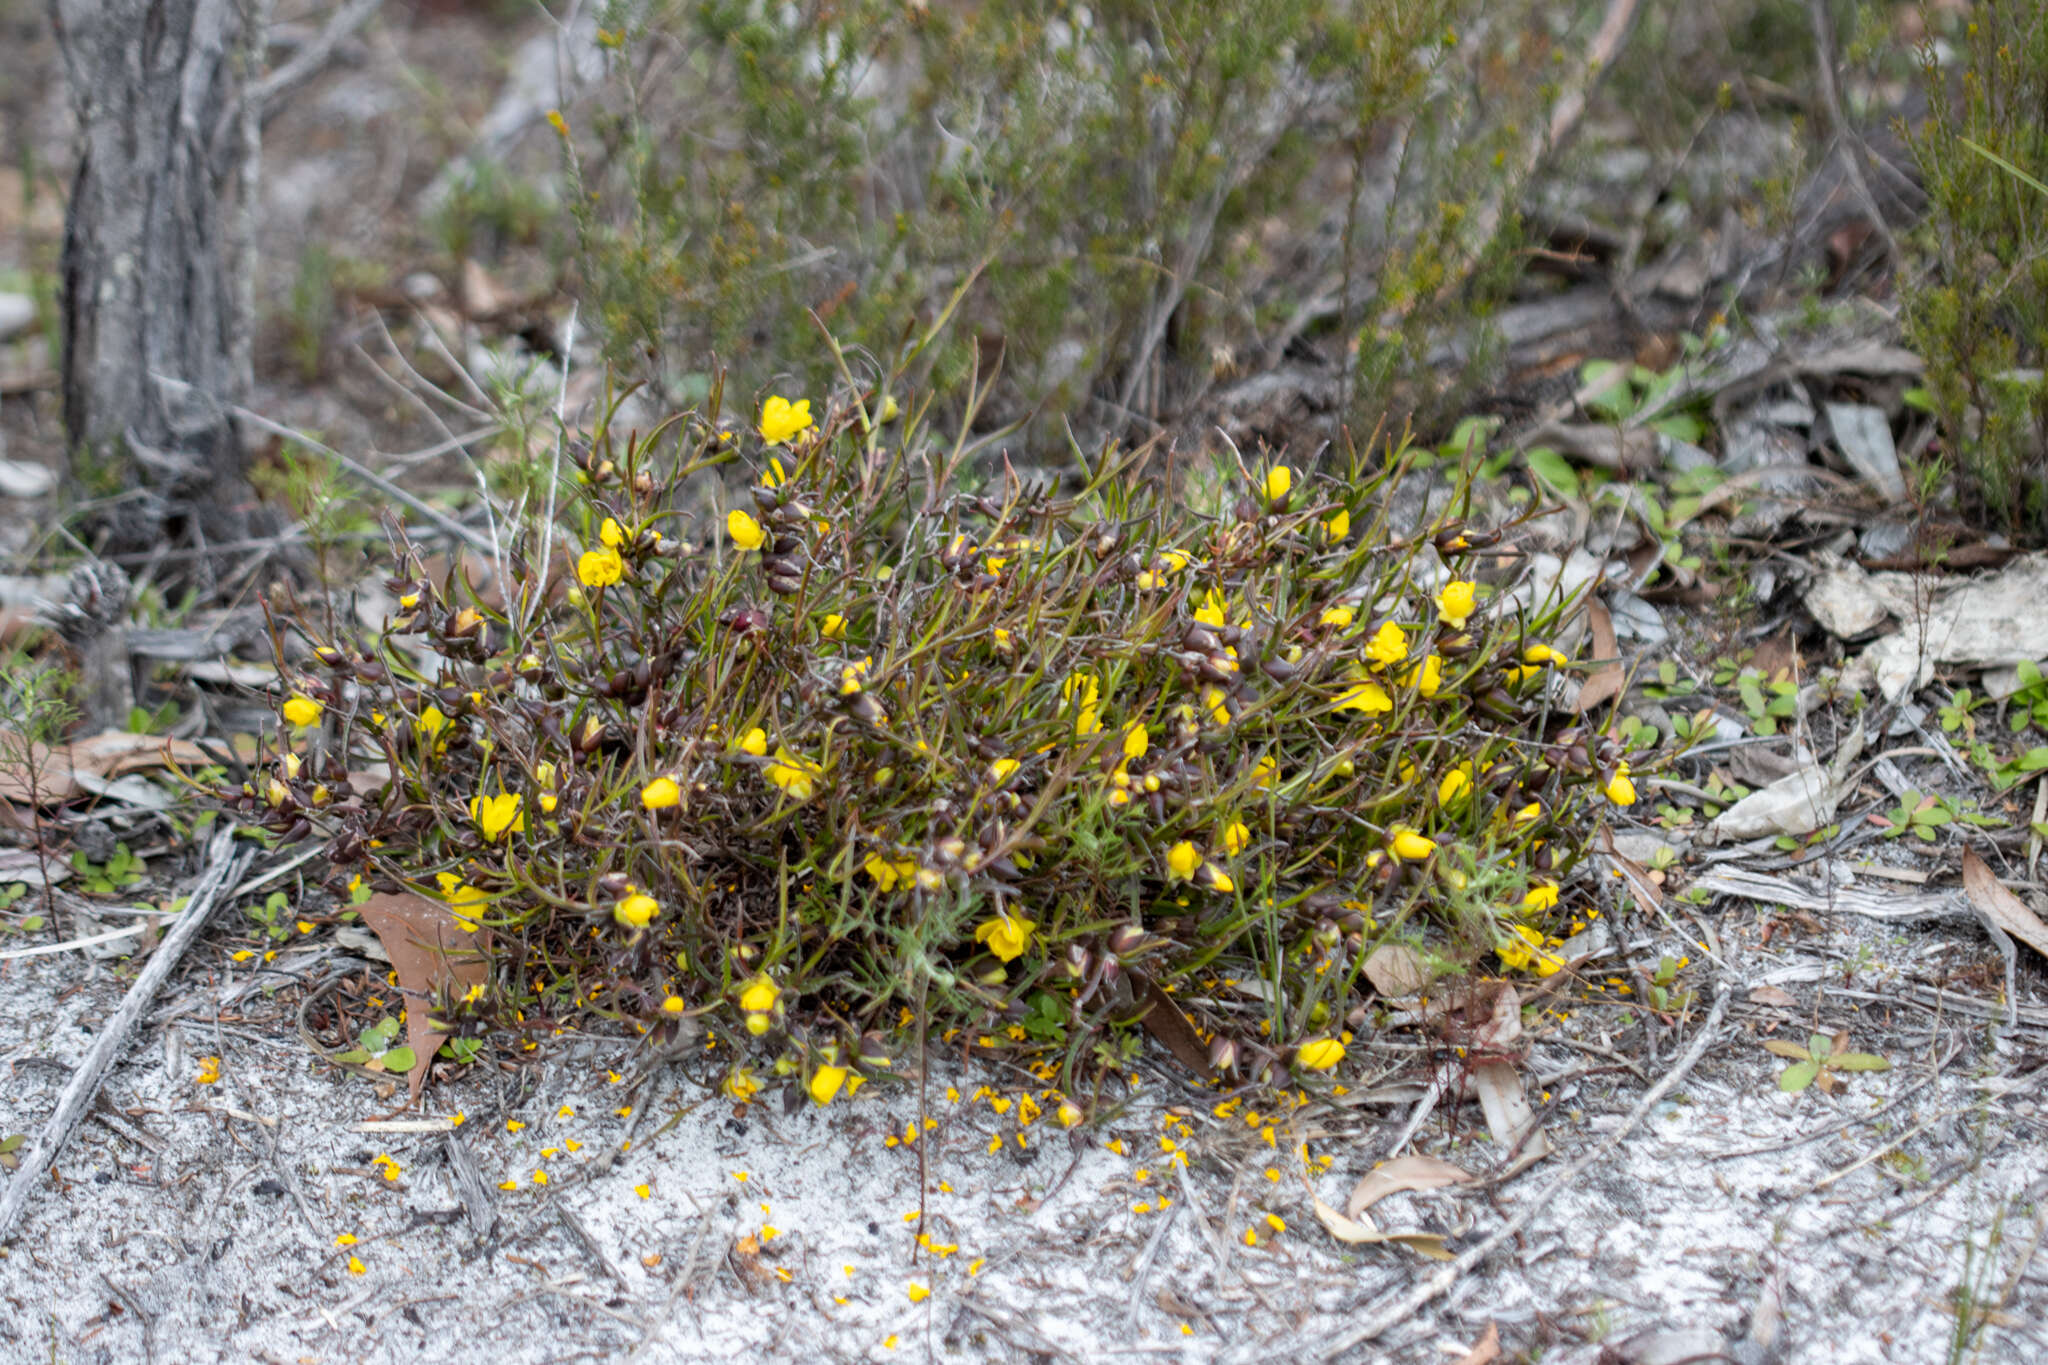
742	1085
495	815
1083	691
464	900
918	1293
1368	697
760	995
774	476
611	534
1457	784
781	419
1183	860
755	742
1069	1114
1007	935
833	627
431	723
796	775
1279	482
1235	837
1542	896
1266	772
209	1071
1455	604
889	875
1410	846
356	1266
1620	788
744	530
1339	526
674	1005
302	710
1215	701
1426	677
1389	645
636	910
600	568
1340	617
1529	949
1213	608
1320	1054
1137	740
1219	880
661	793
1002	768
1543	654
826	1083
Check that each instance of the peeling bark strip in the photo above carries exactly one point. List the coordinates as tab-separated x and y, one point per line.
155	275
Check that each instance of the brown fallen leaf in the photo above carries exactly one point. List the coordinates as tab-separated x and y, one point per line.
1484	1351
1508	1113
1406	1173
1361	1232
2001	906
1771	995
1403	1173
1606	681
1395	970
1163	1020
109	753
430	950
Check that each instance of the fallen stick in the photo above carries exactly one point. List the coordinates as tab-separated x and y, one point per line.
224	867
1440	1283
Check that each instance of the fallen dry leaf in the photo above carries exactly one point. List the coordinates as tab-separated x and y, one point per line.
1484	1351
1606	681
1508	1113
109	753
1404	1173
1361	1233
2001	906
1395	970
1163	1020
429	950
1771	995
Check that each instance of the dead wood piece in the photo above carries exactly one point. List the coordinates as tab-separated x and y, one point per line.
471	1186
1798	895
224	867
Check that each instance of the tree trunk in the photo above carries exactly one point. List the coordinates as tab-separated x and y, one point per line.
156	274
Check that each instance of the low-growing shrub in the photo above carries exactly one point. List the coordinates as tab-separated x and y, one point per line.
874	743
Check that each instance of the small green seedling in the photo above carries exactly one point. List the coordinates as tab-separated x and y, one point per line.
1660	991
1819	1062
1923	815
10	1149
2028	705
274	916
462	1050
374	1050
111	878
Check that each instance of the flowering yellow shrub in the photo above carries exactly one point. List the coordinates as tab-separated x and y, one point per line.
864	745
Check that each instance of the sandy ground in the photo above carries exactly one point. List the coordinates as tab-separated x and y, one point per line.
204	1222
